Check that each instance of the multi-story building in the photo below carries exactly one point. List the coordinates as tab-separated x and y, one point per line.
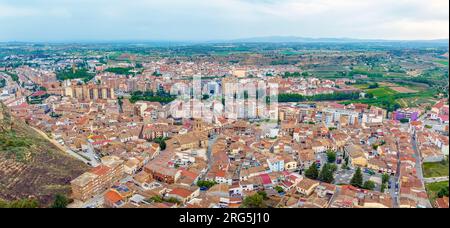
89	92
98	179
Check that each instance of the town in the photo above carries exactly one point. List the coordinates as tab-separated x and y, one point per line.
352	129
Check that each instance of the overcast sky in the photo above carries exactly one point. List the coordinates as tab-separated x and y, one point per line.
200	20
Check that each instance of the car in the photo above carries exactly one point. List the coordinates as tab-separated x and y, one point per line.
368	171
203	189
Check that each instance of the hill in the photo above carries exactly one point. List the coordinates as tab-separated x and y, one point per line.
30	165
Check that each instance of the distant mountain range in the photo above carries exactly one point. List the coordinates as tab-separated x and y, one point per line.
264	39
295	39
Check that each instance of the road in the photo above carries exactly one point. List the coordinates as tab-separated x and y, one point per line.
419	171
435	179
212	140
395	181
61	147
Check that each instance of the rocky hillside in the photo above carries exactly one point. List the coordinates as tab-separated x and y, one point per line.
31	166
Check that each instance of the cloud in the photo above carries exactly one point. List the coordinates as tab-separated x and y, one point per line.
221	19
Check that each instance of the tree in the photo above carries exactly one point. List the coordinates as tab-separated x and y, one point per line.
61	201
331	156
383	187
263	194
374	86
327	173
206	184
357	179
369	185
443	192
312	172
254	201
162	143
279	189
385	178
156	199
404	120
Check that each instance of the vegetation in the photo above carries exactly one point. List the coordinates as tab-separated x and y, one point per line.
206	184
2	83
283	98
68	74
279	189
293	75
331	156
327	173
369	185
374	86
160	97
357	179
157	74
159	199
15	146
23	203
61	201
437	190
36	166
437	169
120	70
13	76
255	201
443	62
312	172
162	142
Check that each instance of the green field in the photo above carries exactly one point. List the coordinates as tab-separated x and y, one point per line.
382	92
439	169
443	62
434	188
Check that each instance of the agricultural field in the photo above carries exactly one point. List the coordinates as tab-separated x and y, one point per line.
442	62
433	189
439	169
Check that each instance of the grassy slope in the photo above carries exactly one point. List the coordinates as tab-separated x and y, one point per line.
32	166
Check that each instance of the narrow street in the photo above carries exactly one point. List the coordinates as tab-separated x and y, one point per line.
419	170
211	142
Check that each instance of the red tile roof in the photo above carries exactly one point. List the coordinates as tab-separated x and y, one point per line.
113	196
100	170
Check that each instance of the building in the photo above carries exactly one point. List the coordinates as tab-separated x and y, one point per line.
89	92
306	186
99	179
162	174
276	164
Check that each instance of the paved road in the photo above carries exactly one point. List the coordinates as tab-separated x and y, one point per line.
395	181
435	179
419	170
211	142
61	147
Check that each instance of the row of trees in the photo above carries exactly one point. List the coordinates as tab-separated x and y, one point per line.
324	175
120	70
358	181
160	96
320	97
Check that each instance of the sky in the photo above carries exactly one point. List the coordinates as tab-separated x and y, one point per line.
206	20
